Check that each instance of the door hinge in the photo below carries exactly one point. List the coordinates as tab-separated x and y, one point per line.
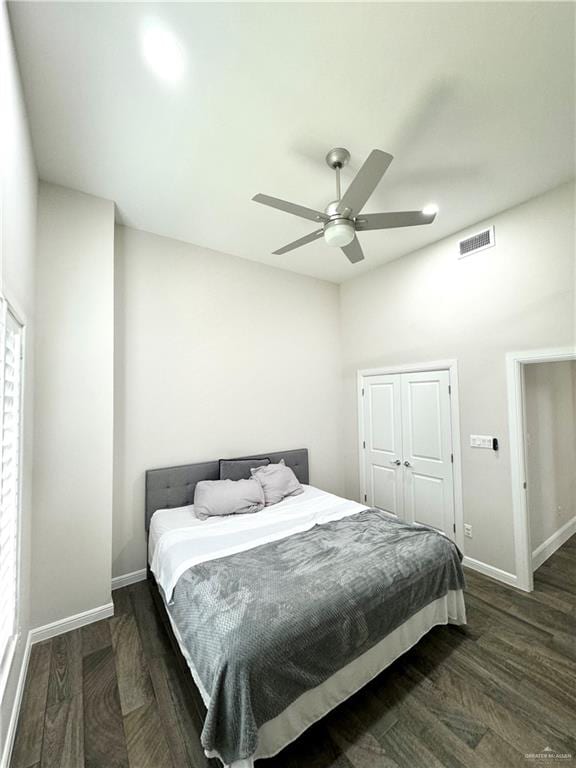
362	391
452	458
524	485
365	497
454	527
363	443
449	389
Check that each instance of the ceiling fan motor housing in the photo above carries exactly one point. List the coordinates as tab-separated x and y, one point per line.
331	210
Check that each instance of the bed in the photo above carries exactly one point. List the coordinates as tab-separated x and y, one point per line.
281	615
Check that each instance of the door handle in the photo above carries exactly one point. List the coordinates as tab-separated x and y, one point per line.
397	462
407	464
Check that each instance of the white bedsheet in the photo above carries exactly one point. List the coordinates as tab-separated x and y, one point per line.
178	540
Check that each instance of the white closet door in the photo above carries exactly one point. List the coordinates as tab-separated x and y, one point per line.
427	446
383	443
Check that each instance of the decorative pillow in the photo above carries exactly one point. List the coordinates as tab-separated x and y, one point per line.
278	481
227	497
239	469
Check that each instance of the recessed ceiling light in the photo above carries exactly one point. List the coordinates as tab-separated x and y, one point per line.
163	52
430	210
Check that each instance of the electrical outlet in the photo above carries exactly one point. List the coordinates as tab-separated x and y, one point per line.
468	530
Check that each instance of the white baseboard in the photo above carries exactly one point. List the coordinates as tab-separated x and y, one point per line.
13	722
489	570
554	542
72	622
129	578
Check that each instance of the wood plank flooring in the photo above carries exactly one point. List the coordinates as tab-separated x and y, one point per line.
112	694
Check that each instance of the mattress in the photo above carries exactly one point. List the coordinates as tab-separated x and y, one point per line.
175	532
164	520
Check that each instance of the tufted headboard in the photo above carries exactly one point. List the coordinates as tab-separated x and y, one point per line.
174	486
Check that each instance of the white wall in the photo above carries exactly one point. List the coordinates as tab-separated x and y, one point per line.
549	396
216	356
18	225
73	453
430	305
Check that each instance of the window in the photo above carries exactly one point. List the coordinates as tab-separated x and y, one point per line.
11	333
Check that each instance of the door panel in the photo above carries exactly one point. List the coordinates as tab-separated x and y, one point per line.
383	435
427	448
427	498
383	438
385	489
424	425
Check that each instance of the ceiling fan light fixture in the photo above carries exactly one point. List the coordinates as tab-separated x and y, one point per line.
339	233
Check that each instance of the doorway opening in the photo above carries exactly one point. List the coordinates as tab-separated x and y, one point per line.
542	413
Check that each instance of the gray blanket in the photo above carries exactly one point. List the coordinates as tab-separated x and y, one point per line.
265	625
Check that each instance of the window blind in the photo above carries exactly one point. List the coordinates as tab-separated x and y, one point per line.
10	424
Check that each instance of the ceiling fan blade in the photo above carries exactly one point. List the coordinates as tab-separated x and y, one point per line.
353	251
296	210
302	241
365	182
393	219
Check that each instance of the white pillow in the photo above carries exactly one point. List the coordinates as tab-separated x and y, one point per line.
278	481
214	498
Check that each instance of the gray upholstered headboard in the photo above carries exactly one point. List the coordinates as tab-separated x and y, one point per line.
174	486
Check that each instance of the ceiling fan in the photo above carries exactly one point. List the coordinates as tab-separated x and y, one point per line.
341	219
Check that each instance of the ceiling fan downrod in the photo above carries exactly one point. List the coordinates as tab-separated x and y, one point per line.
336	159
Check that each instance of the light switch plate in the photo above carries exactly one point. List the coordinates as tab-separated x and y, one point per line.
481	441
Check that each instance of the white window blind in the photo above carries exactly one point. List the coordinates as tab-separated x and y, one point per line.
10	422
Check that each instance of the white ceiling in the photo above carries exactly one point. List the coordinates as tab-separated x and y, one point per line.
475	101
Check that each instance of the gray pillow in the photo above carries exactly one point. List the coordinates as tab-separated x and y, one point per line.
227	497
278	481
239	469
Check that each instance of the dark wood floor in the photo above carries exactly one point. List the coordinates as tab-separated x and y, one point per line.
111	695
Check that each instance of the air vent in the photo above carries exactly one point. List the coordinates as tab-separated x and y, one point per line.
477	242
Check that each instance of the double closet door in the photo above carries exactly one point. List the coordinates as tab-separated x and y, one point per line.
407	447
